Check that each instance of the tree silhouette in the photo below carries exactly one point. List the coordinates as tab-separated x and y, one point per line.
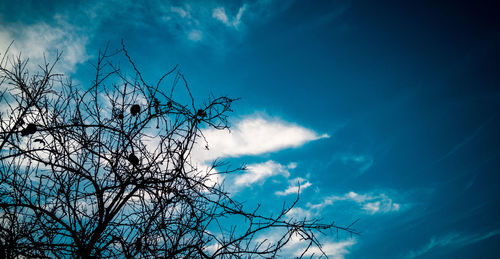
107	171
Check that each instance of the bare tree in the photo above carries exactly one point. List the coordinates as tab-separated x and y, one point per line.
107	171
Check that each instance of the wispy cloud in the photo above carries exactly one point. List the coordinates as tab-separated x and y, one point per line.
68	30
362	161
219	14
254	135
42	40
468	139
181	11
256	173
299	213
296	246
213	24
294	186
334	250
208	23
451	240
371	203
359	162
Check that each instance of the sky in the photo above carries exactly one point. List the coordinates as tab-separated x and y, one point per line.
386	111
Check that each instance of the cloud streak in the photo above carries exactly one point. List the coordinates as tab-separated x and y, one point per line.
254	136
451	239
468	139
219	14
259	172
212	24
362	162
369	202
296	246
41	41
294	186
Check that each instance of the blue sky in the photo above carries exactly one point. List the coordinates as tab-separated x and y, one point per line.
387	111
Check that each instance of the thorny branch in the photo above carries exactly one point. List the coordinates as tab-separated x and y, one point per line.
107	171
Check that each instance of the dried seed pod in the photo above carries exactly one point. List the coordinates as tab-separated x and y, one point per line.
135	109
30	129
201	113
138	244
118	113
133	159
156	105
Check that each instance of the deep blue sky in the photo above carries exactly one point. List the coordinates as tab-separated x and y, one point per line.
407	91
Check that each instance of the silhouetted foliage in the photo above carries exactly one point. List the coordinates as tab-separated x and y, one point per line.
30	129
81	177
135	109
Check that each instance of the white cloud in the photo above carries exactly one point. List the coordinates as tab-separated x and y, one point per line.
201	23
370	203
219	24
259	172
70	29
451	239
362	162
180	11
42	39
294	186
219	14
334	250
237	19
195	35
253	136
299	213
296	246
292	165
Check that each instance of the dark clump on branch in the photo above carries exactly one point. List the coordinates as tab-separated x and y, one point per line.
156	105
135	109
133	159
201	113
30	129
138	244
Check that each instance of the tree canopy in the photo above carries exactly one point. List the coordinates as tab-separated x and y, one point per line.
106	170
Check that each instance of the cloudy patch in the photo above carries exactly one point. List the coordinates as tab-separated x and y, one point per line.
370	203
298	213
219	14
254	136
451	240
296	246
294	185
362	162
195	35
41	42
334	250
359	163
257	173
